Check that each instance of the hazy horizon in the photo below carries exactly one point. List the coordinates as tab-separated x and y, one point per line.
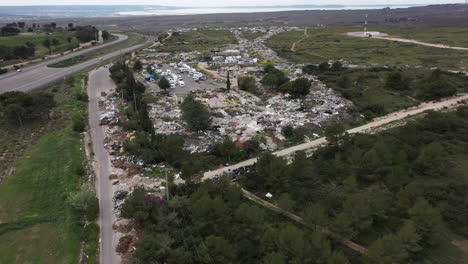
220	4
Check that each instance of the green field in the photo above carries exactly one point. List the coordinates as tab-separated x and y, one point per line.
199	40
133	39
332	44
366	88
37	40
447	36
36	223
251	35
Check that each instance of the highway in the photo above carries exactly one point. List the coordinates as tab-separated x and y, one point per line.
38	75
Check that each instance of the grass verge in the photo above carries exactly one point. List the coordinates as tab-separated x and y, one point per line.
133	39
36	223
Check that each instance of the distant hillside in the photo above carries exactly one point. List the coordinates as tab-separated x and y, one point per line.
450	15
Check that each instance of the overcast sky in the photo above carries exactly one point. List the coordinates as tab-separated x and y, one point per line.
219	3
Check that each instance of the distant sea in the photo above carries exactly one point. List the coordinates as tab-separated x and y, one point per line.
209	10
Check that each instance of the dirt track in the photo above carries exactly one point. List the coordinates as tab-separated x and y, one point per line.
449	102
441	46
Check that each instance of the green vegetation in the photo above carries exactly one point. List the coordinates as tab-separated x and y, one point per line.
400	192
133	39
248	84
195	114
197	40
36	41
379	91
49	167
19	107
250	35
274	77
332	44
446	36
213	223
36	194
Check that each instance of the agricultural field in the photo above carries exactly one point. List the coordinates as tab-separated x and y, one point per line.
250	35
332	44
37	40
197	40
37	225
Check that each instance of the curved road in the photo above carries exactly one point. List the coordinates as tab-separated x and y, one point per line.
39	75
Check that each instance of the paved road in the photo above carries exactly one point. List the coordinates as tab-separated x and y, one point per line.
361	129
119	39
100	81
39	75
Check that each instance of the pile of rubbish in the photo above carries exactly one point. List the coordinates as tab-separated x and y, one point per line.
242	116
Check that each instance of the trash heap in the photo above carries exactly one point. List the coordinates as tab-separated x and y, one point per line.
242	116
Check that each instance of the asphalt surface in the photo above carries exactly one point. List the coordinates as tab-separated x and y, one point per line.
361	129
99	81
38	75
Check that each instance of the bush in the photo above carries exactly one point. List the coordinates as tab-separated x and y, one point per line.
78	122
85	202
82	97
124	244
90	235
196	114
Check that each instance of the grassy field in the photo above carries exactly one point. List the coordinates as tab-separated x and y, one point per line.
447	36
366	88
332	44
32	204
199	40
133	39
36	223
37	40
251	35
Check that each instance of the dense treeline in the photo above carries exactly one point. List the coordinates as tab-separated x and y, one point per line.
213	223
404	185
19	108
17	52
154	148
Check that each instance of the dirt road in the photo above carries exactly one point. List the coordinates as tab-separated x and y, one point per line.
306	35
449	102
441	46
99	81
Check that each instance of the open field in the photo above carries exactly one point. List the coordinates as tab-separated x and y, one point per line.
133	39
37	40
446	36
251	35
32	203
366	88
197	40
36	223
331	44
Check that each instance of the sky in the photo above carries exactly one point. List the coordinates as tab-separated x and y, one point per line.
220	3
